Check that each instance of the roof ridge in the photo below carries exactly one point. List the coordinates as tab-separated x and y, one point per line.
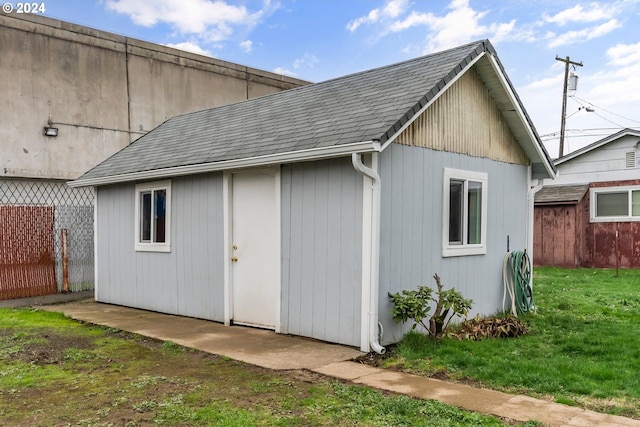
484	43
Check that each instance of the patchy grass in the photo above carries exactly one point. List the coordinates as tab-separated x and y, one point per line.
583	348
55	371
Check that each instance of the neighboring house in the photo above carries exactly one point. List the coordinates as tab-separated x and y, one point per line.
590	215
299	211
94	92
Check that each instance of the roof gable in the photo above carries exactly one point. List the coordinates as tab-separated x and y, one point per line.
355	113
596	145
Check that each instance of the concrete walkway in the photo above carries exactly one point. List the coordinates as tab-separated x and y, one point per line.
273	351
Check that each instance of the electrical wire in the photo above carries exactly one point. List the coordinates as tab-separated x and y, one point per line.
607	111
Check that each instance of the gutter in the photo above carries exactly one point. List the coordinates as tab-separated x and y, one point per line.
269	159
370	253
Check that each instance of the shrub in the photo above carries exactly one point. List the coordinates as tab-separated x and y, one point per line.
415	305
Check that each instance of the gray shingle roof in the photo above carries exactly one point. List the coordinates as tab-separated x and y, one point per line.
367	106
561	194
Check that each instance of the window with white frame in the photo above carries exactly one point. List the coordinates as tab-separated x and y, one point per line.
464	228
153	219
615	204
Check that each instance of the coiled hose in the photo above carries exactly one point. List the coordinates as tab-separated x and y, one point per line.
516	277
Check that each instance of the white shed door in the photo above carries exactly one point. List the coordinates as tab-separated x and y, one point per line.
254	252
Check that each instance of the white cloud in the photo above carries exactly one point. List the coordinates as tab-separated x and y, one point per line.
284	72
213	20
190	47
594	12
308	60
618	83
585	34
624	54
460	25
247	46
392	9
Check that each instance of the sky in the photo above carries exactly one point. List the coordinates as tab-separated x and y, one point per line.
316	40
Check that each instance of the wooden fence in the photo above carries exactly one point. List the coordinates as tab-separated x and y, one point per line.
27	266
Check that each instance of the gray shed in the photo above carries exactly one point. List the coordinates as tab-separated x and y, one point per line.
299	211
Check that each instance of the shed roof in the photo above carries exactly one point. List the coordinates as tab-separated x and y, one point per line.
561	194
356	113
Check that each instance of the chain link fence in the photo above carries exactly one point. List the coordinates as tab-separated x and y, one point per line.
73	211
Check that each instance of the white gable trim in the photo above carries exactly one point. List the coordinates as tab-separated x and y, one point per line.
434	99
596	145
513	99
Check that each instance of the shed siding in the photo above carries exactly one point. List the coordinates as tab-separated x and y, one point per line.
610	244
557	234
465	119
411	228
321	250
188	280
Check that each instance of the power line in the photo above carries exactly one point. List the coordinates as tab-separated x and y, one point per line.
603	132
610	112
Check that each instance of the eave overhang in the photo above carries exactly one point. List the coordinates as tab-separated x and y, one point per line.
271	159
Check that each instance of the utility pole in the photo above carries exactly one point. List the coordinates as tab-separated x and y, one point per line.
567	61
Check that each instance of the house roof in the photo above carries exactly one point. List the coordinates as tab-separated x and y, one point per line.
561	194
357	113
591	147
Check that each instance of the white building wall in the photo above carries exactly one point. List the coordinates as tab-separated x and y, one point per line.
606	163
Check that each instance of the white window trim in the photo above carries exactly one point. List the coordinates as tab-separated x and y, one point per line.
622	218
153	246
449	250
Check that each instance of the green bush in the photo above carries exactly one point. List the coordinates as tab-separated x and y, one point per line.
415	305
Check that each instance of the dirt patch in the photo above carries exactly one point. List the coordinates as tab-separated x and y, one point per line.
52	348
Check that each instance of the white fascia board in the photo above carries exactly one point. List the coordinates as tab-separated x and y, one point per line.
522	116
596	145
289	157
435	98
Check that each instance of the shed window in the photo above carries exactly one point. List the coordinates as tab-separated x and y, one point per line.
464	213
153	201
615	204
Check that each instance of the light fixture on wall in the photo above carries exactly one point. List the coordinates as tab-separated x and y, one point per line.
50	130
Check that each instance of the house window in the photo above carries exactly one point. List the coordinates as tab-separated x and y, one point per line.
153	220
615	204
464	213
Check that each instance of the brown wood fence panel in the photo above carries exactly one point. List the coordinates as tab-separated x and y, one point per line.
27	265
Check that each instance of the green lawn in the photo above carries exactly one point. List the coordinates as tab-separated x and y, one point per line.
56	371
583	348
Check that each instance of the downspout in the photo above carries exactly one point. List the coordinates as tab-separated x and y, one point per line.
531	196
374	250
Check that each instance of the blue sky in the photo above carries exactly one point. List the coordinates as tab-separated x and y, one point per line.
317	40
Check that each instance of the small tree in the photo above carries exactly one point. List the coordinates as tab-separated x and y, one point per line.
415	305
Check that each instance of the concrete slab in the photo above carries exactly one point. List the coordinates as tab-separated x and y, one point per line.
256	346
275	351
491	402
46	299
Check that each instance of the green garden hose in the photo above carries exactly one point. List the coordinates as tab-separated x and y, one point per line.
516	277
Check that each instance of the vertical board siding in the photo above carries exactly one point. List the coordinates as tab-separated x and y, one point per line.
411	228
556	235
465	120
186	281
321	250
